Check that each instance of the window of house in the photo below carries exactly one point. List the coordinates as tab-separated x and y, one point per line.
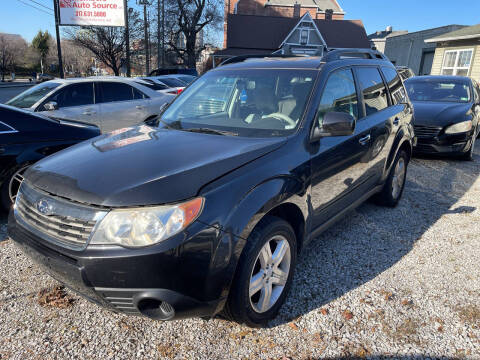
339	95
457	62
373	89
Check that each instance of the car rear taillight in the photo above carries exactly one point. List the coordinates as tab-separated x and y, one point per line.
176	91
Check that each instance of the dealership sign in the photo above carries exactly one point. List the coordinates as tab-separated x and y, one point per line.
92	12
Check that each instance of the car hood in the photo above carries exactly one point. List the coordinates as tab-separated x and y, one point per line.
439	113
144	165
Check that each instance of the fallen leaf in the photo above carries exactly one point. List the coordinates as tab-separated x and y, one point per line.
293	326
324	311
347	314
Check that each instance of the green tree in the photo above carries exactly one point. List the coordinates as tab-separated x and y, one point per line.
41	43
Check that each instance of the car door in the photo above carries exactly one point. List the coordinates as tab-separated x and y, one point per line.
338	164
121	105
74	102
382	119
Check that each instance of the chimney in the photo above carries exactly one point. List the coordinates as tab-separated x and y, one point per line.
329	14
296	10
389	29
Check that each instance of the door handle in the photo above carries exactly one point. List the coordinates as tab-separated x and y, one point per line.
364	140
140	107
396	121
89	112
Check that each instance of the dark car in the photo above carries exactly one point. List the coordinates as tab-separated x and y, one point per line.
447	113
405	72
26	138
208	211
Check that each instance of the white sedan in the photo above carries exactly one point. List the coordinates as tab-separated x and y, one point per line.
107	102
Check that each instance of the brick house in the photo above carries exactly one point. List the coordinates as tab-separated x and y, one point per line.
318	9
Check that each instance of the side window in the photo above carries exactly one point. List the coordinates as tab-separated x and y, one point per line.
138	95
395	85
74	95
373	89
116	91
339	95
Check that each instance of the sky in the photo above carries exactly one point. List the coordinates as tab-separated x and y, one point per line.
27	17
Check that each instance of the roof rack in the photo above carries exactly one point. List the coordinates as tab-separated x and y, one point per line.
329	55
346	53
240	58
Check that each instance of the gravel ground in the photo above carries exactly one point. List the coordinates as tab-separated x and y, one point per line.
401	283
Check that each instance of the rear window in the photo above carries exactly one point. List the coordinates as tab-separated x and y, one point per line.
152	85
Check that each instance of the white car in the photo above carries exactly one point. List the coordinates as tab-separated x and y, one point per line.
107	102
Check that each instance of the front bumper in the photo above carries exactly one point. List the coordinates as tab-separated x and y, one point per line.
156	282
455	144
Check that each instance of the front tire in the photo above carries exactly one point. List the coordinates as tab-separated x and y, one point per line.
9	189
393	189
264	273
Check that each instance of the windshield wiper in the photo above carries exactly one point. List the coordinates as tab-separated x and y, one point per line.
212	131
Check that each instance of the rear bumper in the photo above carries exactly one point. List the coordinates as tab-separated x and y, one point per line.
148	283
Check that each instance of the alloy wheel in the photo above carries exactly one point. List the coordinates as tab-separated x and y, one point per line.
398	178
270	273
15	182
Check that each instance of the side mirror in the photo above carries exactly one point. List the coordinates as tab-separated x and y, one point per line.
50	106
335	124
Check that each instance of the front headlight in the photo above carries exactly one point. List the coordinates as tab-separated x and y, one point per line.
461	127
139	227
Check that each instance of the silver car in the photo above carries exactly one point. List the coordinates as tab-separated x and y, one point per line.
110	103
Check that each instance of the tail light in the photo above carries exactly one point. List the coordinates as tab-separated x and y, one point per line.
176	91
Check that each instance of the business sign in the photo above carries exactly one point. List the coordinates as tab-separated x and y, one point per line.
92	12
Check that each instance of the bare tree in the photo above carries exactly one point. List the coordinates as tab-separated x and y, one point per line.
12	49
194	18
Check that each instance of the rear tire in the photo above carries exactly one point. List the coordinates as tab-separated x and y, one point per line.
393	189
264	273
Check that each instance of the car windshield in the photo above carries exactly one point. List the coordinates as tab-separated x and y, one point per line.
172	82
31	96
440	90
252	103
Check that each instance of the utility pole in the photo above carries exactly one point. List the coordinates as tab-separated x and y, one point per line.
145	28
57	31
163	33
127	37
159	34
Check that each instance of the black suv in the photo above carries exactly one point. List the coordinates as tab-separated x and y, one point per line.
207	211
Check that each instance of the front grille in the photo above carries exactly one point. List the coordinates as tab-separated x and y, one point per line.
66	223
425	132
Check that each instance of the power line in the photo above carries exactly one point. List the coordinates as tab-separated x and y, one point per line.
46	7
33	6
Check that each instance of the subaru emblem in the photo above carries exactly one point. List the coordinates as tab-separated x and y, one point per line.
44	207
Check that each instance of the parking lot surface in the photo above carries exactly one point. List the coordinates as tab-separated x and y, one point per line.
388	283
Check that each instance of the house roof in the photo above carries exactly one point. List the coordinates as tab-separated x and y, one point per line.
322	5
386	34
268	32
470	32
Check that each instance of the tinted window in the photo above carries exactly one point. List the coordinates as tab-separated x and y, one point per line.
74	95
153	85
395	85
137	94
31	96
116	91
172	82
339	95
373	89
